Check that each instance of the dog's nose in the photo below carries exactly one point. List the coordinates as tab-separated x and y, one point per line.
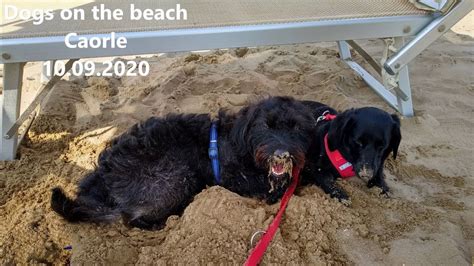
281	154
366	172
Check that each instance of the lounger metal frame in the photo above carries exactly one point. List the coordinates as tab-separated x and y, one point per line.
14	53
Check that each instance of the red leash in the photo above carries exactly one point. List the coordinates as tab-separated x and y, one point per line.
261	247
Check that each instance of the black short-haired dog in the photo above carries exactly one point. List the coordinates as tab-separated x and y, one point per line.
354	142
156	168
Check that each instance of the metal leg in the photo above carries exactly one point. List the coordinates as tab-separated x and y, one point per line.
42	93
45	78
10	108
373	83
344	50
404	97
401	99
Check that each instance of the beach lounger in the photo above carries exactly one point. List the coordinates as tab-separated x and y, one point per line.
230	24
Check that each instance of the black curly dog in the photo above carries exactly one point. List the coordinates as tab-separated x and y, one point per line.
365	137
156	168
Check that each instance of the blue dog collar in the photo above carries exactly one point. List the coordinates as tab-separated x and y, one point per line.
214	153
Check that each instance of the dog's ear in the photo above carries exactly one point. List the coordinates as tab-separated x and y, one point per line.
240	129
396	136
339	129
226	119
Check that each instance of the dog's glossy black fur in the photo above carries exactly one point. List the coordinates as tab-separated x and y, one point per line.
156	168
365	137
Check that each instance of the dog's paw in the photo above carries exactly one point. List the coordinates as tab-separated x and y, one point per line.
340	195
371	183
384	190
346	202
379	183
271	200
386	193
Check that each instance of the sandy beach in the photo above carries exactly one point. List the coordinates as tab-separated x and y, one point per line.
428	221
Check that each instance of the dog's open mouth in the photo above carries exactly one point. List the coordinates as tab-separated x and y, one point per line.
278	169
280	172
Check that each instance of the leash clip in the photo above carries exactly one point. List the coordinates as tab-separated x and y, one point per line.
322	117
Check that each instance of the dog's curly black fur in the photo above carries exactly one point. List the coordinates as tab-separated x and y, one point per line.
364	136
156	168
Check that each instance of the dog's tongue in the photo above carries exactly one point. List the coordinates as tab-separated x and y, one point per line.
277	168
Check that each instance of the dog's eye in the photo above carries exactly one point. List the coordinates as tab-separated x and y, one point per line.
359	143
292	124
271	123
380	145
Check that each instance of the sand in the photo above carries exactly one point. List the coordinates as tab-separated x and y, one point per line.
428	220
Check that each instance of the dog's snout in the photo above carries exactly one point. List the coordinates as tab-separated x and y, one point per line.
366	172
281	154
